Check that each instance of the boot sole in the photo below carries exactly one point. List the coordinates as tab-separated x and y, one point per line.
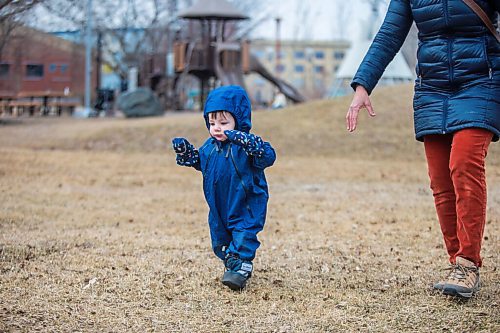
232	286
233	281
453	292
450	291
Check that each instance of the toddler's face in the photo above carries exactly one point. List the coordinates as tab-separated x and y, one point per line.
219	122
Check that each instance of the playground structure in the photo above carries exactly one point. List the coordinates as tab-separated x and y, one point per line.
208	51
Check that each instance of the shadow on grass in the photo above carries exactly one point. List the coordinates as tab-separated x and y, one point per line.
10	122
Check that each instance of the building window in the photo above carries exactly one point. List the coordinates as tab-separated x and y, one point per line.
319	54
336	68
4	70
282	54
280	68
299	55
64	68
299	68
52	68
319	69
34	70
338	55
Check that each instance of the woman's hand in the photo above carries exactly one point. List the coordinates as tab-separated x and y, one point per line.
359	101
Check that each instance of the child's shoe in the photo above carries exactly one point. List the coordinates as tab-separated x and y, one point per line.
464	280
237	272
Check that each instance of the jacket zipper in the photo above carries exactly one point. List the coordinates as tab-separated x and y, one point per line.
485	47
449	42
208	160
445	114
445	11
419	71
210	155
241	180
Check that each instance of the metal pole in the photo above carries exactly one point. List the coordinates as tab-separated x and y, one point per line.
88	51
98	60
278	47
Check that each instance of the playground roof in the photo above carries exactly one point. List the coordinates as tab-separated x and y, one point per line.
213	10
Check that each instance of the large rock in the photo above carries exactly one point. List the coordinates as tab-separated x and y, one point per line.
139	103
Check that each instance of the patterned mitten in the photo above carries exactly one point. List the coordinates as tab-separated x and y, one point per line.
252	144
187	155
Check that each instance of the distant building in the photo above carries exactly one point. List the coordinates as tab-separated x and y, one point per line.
310	66
36	62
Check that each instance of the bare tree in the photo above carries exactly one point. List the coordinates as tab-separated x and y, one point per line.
133	29
11	15
343	11
10	8
256	11
377	7
305	14
130	28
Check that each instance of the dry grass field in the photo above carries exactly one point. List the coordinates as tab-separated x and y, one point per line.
100	230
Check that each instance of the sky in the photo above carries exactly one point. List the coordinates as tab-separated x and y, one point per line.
300	19
319	19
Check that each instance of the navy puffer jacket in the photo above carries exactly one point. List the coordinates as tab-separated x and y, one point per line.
458	64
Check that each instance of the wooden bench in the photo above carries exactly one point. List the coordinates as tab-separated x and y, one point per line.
57	107
4	107
5	98
38	102
18	107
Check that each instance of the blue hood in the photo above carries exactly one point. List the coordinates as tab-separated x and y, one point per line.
233	99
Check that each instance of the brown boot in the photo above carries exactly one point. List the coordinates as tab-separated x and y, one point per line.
440	284
464	279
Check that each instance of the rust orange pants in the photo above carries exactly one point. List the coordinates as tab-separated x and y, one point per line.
458	183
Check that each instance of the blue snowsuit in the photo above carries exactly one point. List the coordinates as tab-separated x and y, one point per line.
234	183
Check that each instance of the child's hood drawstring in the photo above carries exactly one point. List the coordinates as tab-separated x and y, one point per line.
217	145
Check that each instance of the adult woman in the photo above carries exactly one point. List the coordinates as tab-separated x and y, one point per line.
456	115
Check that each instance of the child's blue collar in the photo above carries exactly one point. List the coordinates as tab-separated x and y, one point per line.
219	144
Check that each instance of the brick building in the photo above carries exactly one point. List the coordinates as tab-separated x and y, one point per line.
34	64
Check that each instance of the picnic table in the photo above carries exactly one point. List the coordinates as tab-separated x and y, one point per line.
38	102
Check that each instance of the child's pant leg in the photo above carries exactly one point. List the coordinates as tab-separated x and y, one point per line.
221	238
244	241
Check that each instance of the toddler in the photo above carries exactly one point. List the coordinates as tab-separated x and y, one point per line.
232	162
